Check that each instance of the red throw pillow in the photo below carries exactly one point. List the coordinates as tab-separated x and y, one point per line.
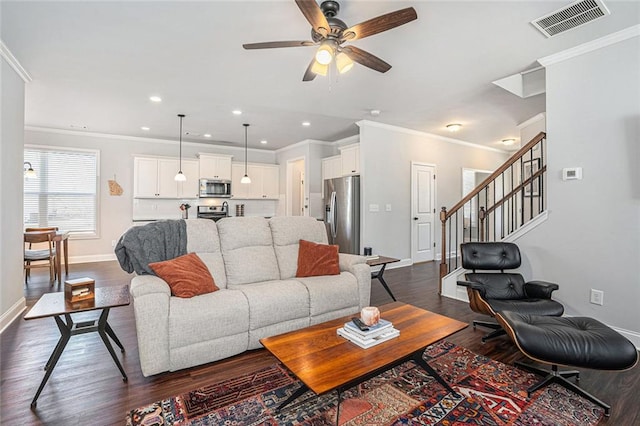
317	259
186	275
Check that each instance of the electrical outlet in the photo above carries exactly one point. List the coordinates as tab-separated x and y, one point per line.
374	208
388	207
597	297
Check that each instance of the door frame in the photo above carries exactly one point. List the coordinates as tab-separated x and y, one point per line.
412	209
289	187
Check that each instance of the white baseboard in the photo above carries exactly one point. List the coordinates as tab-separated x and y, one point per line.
633	336
12	313
92	258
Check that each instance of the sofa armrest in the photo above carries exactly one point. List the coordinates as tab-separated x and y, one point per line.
151	296
357	265
540	289
347	261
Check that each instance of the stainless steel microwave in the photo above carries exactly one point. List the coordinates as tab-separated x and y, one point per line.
215	188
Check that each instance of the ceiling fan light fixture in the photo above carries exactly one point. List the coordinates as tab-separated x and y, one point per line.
343	62
319	69
324	54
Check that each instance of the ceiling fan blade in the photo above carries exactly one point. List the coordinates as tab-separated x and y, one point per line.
367	59
308	74
276	44
314	15
380	24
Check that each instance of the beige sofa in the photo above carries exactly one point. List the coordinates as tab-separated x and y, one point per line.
253	262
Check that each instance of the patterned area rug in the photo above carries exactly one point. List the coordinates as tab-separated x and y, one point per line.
490	393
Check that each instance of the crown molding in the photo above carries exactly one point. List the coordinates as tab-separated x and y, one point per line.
590	46
430	135
139	138
14	63
534	119
302	143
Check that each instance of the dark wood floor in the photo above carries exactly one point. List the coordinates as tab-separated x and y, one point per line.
86	387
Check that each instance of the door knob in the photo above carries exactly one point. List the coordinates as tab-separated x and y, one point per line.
415	218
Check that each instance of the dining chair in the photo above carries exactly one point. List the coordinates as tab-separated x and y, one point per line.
39	255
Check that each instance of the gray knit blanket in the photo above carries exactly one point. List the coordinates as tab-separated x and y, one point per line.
153	242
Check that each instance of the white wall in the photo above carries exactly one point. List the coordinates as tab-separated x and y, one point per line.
313	152
11	188
592	236
386	153
116	158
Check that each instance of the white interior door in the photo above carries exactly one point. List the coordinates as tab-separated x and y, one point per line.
423	213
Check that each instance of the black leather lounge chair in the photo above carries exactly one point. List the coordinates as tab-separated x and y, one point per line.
491	292
574	341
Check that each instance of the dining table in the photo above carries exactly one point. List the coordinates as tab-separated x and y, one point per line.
61	241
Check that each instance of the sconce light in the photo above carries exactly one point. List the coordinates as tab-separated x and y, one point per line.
29	173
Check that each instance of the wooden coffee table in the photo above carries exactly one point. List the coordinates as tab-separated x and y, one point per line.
324	361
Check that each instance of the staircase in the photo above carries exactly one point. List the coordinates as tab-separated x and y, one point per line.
508	199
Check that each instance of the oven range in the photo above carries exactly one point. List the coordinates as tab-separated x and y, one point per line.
213	212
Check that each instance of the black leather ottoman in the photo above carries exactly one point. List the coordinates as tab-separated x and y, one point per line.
572	341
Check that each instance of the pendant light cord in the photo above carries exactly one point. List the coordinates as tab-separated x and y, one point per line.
246	126
181	117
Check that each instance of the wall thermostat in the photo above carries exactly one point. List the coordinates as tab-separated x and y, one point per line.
570	173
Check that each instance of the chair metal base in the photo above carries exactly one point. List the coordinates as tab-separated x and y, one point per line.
497	329
560	377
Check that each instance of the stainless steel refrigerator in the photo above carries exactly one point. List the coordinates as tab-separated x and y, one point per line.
342	212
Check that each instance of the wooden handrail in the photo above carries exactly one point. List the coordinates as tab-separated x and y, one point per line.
516	157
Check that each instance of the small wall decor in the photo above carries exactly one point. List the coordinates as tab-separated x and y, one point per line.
529	168
114	187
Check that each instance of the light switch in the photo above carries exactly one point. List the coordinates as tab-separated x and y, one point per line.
374	208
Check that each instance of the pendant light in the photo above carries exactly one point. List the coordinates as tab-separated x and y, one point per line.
180	177
245	178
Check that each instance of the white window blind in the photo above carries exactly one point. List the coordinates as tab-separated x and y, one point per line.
65	193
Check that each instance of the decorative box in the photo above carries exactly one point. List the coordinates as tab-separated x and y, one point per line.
79	289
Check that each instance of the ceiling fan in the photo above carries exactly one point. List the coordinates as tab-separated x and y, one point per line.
331	33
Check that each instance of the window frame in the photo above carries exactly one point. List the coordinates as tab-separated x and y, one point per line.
75	235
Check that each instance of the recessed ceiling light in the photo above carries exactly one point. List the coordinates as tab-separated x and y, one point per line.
145	128
306	123
155	98
263	142
236	112
508	141
454	127
374	112
207	135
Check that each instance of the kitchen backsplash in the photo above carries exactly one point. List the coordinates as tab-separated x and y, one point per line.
155	209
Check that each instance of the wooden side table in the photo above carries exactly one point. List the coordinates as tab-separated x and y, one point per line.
54	305
384	261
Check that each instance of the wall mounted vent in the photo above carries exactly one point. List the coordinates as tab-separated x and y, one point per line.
571	16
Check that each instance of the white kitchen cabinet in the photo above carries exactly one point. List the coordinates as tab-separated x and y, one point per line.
239	190
215	166
265	182
331	168
155	178
350	160
191	187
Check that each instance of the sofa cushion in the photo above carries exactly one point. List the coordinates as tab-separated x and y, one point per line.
317	259
331	293
247	250
287	231
203	239
277	301
186	275
207	317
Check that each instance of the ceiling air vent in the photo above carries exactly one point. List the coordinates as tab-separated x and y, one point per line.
572	16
